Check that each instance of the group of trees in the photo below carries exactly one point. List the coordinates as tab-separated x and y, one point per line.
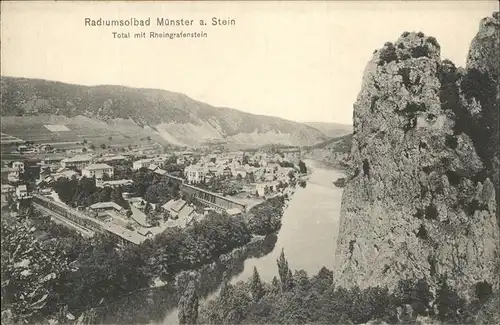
286	164
265	218
175	250
224	185
84	192
30	270
162	192
296	298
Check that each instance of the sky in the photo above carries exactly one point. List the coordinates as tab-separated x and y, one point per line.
302	61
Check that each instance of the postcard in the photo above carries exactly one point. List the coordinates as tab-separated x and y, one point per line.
250	162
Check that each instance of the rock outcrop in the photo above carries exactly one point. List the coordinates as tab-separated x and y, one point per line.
422	198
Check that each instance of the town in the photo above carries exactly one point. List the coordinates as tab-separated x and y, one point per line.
137	193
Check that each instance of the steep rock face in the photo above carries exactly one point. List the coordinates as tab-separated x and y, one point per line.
481	93
420	202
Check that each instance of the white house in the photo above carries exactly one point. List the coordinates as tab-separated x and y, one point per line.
261	189
195	174
21	191
78	162
98	170
239	171
8	192
291	153
142	163
63	174
112	159
18	167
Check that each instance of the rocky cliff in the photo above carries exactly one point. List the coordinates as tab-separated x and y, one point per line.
421	201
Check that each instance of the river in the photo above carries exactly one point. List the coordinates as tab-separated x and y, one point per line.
308	236
309	228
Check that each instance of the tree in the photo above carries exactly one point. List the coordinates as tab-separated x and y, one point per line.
302	167
103	146
417	294
244	160
147	208
483	291
283	270
92	147
117	197
250	177
449	304
256	286
388	53
84	149
275	285
188	305
84	141
110	138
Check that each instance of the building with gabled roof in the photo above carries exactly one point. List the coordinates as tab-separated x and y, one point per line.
79	162
195	174
98	171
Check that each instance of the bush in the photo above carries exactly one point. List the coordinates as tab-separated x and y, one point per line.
388	54
420	51
483	291
432	40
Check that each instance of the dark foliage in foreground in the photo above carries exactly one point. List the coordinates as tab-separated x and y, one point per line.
296	298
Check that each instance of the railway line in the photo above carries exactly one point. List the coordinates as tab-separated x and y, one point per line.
62	220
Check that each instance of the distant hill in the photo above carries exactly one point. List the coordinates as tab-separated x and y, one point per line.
174	117
334	152
331	129
340	144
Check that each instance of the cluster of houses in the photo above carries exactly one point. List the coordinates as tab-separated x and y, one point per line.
267	170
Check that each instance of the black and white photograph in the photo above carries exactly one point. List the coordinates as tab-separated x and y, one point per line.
250	162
